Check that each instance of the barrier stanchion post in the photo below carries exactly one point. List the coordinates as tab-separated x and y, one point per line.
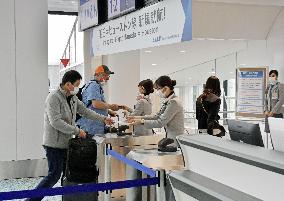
267	140
160	191
107	171
106	187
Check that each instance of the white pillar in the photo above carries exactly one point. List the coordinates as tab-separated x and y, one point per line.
122	87
90	62
7	81
24	80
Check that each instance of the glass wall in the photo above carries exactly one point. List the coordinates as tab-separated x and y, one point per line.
64	41
191	80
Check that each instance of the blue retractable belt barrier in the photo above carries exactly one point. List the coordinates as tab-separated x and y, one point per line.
78	189
132	163
87	188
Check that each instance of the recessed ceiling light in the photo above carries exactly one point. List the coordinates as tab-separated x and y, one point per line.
212	72
199	38
217	39
231	72
154	64
148	51
190	78
182	51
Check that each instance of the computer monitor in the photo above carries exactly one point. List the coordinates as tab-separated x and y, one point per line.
276	127
245	132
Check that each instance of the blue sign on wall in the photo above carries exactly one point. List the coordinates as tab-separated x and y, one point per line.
251	74
88	13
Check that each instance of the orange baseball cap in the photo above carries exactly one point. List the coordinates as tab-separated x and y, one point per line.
103	69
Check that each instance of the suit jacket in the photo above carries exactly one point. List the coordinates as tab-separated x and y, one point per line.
274	99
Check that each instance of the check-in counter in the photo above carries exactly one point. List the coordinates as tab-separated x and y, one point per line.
255	171
191	186
122	145
156	160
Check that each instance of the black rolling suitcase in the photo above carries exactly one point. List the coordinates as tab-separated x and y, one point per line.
78	197
81	167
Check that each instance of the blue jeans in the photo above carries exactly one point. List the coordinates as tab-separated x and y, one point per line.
56	159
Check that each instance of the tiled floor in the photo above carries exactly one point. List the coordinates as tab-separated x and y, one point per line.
24	184
30	183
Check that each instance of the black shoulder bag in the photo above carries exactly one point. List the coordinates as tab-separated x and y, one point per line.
214	125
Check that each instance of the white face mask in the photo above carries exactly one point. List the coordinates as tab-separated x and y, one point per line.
272	81
75	91
160	94
140	96
103	83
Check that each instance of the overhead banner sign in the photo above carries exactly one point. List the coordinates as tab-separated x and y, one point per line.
251	86
88	14
120	7
166	22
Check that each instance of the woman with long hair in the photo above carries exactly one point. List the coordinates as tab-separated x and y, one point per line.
208	106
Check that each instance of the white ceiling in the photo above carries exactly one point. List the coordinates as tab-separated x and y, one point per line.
219	29
196	54
233	21
262	26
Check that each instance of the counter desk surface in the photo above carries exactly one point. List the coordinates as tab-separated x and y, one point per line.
128	140
256	171
155	159
253	155
152	158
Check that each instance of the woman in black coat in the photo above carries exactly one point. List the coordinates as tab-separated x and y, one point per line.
208	106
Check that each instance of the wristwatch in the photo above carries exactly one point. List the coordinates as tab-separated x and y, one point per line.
142	121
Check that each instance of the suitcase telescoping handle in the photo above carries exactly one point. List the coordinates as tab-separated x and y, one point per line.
88	136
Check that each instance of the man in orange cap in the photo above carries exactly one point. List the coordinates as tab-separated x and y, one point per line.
93	98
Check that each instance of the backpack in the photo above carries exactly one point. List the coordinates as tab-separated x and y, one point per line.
79	94
80	97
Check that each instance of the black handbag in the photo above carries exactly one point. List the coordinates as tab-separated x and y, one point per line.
214	125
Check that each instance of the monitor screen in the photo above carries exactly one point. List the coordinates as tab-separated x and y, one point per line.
120	7
88	14
245	132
